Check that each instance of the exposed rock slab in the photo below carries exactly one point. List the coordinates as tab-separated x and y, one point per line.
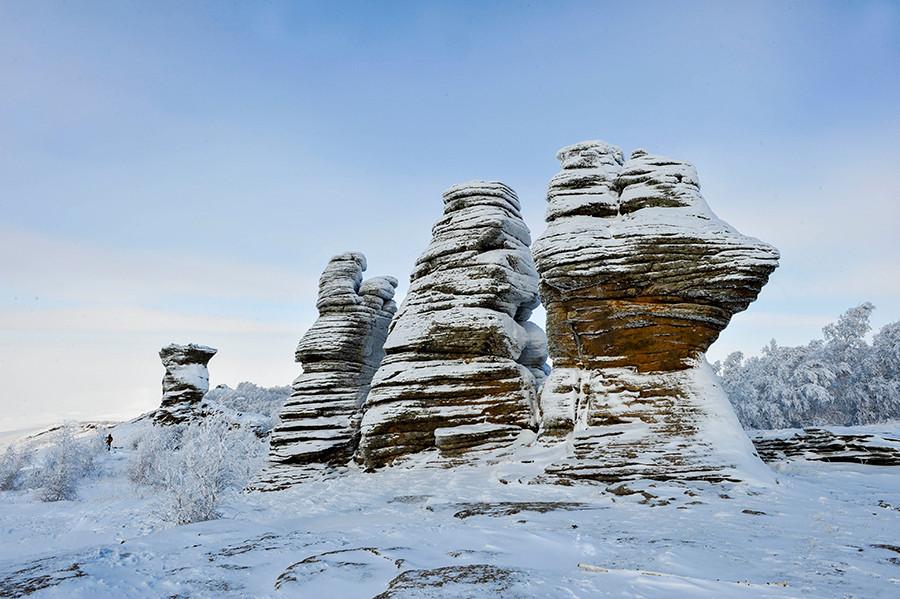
639	277
39	575
470	580
461	353
823	445
511	508
185	383
319	423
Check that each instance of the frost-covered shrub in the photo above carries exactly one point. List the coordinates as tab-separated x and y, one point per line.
64	464
12	466
214	458
839	380
152	451
252	399
197	466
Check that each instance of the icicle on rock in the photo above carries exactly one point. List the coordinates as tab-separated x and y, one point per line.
319	423
639	277
185	383
462	361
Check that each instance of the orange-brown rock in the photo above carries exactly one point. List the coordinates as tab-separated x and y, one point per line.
639	277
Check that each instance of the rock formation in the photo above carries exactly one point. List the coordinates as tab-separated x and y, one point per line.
319	423
185	383
858	445
639	277
462	361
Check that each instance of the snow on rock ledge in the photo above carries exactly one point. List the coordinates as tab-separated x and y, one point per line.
876	445
639	277
319	423
462	362
185	383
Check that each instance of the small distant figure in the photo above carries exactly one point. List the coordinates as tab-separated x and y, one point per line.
108	442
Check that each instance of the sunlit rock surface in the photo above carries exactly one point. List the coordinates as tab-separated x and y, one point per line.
319	423
462	362
185	383
639	277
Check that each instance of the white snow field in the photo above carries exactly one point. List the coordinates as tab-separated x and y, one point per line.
478	530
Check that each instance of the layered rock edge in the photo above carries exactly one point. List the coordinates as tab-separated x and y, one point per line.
639	277
462	363
319	423
185	382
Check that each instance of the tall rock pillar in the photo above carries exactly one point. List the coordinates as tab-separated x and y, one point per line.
462	362
319	423
639	277
185	383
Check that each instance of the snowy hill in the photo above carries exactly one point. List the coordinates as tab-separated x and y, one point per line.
423	530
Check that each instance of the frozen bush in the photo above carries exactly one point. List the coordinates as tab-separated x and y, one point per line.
64	464
248	398
152	450
197	467
12	466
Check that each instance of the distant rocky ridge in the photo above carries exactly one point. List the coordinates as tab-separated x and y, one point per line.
185	383
463	363
638	277
319	423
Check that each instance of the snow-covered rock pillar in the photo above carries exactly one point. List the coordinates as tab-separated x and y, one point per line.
319	423
462	362
185	383
638	277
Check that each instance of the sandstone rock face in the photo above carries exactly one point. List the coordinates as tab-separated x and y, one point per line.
462	360
185	383
639	277
319	423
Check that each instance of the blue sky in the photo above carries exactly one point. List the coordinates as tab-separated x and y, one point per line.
182	171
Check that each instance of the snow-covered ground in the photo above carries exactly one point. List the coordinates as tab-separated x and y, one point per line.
421	530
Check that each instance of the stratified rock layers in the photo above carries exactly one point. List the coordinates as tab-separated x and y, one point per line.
857	445
319	423
462	361
185	383
639	277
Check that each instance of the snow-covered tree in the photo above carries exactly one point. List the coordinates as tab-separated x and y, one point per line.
251	399
840	379
12	467
64	464
882	376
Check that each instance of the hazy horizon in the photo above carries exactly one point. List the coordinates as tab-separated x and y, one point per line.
182	173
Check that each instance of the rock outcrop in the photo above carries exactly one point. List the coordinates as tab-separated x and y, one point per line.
639	277
185	383
319	423
857	445
462	361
